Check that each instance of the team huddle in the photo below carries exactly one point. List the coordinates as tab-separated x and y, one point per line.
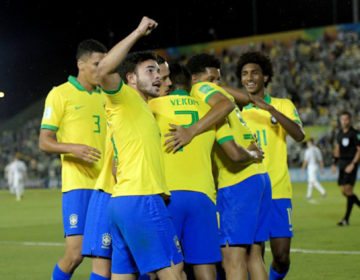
163	165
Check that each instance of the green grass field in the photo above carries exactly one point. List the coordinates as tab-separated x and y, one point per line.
31	239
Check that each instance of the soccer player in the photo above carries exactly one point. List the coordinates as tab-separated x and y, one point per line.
244	191
165	87
347	155
188	173
312	160
97	238
144	238
272	119
17	174
73	125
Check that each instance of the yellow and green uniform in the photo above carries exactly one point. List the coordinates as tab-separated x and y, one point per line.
106	180
136	139
230	172
190	168
272	139
78	117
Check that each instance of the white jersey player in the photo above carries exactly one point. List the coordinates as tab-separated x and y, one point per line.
313	159
17	174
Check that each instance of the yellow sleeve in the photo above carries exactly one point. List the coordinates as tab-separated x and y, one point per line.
204	91
224	133
53	111
289	110
114	96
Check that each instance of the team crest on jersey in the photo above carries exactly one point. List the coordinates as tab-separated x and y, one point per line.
206	89
273	120
345	142
177	243
73	219
106	240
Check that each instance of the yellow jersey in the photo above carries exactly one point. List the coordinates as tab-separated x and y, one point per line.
189	168
78	117
272	139
230	172
106	180
136	138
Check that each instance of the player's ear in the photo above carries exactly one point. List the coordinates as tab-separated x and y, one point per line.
195	78
131	78
80	64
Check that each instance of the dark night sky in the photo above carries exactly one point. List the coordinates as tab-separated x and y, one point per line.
38	39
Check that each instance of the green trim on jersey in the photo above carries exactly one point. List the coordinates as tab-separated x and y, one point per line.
179	92
225	139
267	99
249	137
72	80
48	126
211	94
113	91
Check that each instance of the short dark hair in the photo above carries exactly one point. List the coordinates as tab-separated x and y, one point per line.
160	59
199	62
132	60
346	113
257	58
180	77
89	46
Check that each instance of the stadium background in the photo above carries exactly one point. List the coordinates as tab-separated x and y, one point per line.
316	67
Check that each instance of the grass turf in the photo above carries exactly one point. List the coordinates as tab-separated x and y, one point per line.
37	218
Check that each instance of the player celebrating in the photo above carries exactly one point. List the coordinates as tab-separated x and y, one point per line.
144	238
277	118
74	113
188	173
312	160
347	155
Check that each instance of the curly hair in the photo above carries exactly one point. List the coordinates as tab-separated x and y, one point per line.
257	58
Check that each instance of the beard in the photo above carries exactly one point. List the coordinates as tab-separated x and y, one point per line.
146	88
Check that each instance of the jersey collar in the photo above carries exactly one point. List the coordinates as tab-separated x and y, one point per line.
267	99
72	80
180	92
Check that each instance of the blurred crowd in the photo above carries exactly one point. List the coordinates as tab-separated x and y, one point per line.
321	77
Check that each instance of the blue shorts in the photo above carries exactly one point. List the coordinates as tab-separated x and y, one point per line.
74	206
195	221
263	223
281	218
97	238
239	207
144	238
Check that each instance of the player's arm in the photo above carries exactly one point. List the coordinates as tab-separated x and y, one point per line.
335	157
253	154
221	106
49	144
242	97
294	129
350	167
305	162
110	80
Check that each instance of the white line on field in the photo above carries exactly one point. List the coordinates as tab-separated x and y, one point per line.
293	250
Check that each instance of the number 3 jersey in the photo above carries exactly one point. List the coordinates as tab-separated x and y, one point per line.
230	172
78	117
272	139
190	167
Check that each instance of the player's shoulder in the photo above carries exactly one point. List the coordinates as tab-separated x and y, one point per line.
205	87
279	101
62	89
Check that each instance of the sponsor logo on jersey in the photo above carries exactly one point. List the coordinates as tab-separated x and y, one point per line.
206	89
79	107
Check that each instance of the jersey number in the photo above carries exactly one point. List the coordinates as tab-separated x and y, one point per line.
194	118
261	137
97	123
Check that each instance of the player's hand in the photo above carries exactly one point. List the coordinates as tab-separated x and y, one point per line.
146	26
333	168
256	152
349	168
86	153
180	136
260	103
